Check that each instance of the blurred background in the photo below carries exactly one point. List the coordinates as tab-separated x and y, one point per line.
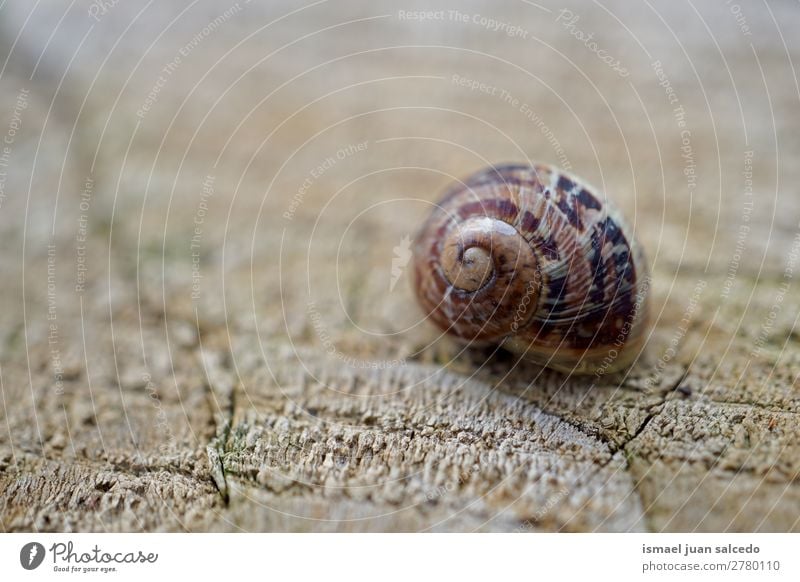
201	203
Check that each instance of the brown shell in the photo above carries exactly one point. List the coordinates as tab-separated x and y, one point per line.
534	259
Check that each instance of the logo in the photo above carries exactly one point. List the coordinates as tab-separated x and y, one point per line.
402	254
31	555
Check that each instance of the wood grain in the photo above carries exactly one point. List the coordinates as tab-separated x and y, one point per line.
236	358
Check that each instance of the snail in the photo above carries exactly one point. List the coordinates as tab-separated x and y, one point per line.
535	260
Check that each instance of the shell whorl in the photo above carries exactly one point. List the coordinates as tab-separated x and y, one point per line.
480	269
532	258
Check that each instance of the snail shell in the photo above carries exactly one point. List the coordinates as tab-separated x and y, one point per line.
534	259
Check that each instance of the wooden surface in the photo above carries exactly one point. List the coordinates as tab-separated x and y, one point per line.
233	356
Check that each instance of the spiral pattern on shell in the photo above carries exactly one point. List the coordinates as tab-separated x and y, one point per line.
534	259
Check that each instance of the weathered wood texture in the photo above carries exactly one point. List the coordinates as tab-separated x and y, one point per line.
229	366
